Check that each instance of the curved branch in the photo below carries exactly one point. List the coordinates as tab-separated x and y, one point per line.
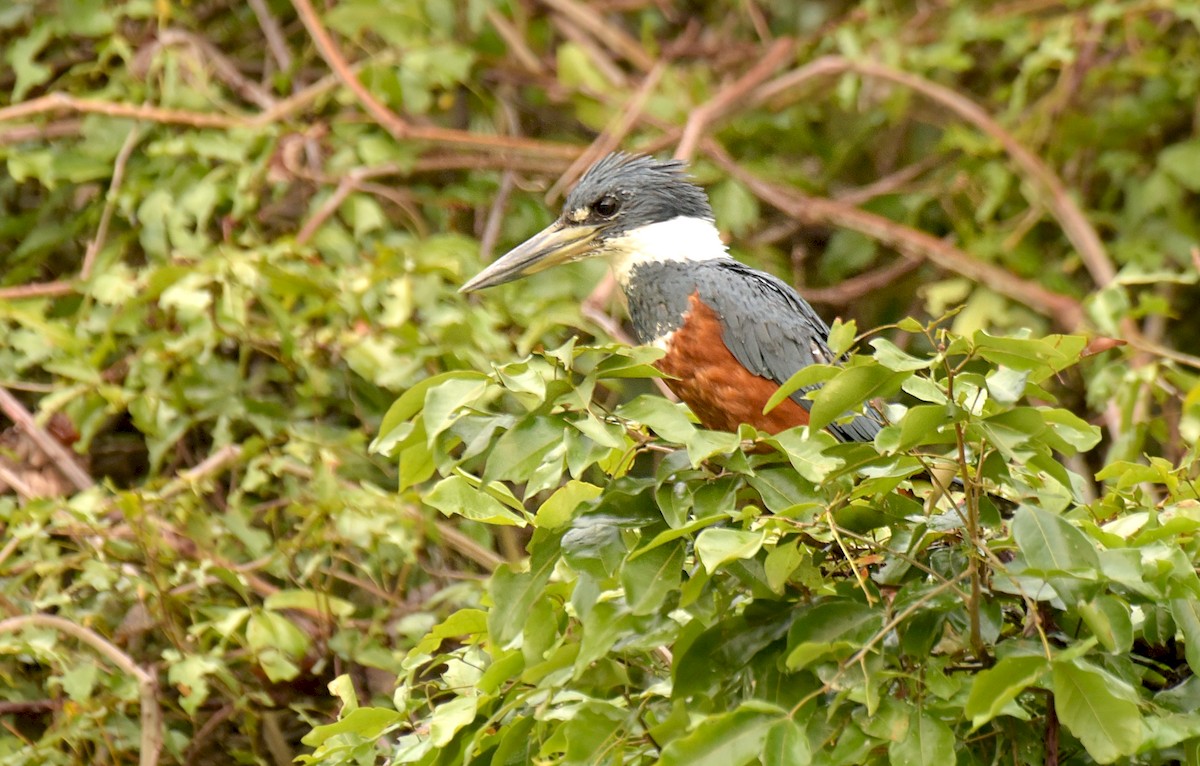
909	242
1069	215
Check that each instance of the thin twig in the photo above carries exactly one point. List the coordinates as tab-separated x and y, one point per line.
63	460
396	125
1074	223
110	202
909	242
779	52
273	34
614	37
515	41
850	290
151	714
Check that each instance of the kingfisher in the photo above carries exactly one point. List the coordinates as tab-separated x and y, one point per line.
732	334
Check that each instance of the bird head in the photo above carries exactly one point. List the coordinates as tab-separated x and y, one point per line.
618	197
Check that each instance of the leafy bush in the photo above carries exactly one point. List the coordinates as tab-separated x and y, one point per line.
686	601
231	236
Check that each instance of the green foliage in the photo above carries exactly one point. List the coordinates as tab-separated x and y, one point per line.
220	269
798	609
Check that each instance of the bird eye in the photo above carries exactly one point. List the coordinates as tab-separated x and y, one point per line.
607	206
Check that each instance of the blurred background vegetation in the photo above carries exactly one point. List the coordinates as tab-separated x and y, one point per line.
231	235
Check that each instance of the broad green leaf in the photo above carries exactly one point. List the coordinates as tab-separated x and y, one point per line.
1109	620
410	403
1098	708
807	453
649	579
660	415
1050	542
928	741
522	449
449	717
1006	385
311	601
786	745
890	356
557	510
715	547
513	593
830	627
1186	613
849	389
456	496
841	336
367	723
994	688
1040	357
730	739
802	378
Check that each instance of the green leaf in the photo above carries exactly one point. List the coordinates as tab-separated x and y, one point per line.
841	336
730	739
1098	708
786	745
830	627
1050	542
802	378
1007	385
410	403
715	547
851	387
456	496
559	507
522	449
1109	620
928	741
890	356
1186	613
994	688
648	580
312	601
451	716
513	593
1182	162
807	452
366	723
1040	357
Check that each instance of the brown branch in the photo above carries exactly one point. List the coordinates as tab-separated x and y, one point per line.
63	460
57	129
57	102
36	290
779	52
852	289
612	36
909	242
400	129
273	34
1074	223
515	42
151	714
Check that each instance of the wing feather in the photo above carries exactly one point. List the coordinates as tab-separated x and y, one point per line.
771	330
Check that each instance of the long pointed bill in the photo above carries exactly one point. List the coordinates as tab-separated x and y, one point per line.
551	246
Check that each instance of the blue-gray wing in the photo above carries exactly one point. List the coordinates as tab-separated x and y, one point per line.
771	330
